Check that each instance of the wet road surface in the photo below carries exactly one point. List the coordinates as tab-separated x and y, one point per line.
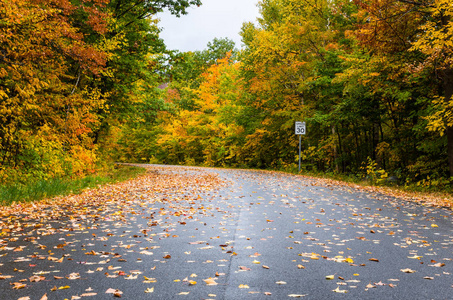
194	233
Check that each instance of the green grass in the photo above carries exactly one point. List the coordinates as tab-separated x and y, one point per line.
60	187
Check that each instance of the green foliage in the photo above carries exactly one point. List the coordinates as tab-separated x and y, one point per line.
373	85
369	108
375	174
42	189
71	73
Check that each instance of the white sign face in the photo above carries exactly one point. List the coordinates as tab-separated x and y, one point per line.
300	128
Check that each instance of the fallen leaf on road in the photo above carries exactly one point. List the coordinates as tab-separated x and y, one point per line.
438	265
210	281
113	291
18	285
64	287
337	290
408	270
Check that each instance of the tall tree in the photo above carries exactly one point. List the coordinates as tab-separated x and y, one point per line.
423	27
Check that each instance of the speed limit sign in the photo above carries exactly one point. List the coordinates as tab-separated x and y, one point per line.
300	128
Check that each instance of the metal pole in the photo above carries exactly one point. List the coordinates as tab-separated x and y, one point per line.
300	142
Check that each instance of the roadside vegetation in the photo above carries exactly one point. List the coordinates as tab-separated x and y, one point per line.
43	189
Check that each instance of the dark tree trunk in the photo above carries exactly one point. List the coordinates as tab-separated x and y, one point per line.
448	93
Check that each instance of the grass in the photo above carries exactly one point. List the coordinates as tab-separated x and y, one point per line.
60	187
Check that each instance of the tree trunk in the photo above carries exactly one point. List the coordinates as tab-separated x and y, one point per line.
450	149
448	93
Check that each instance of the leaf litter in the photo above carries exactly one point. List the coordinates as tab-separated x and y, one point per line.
135	217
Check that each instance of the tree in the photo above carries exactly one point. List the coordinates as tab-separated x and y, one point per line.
425	28
45	59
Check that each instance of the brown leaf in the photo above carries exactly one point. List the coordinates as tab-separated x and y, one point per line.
18	285
407	270
438	265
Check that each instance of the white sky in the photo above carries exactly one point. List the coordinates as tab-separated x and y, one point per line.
213	19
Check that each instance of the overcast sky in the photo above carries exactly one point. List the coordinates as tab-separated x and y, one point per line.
213	19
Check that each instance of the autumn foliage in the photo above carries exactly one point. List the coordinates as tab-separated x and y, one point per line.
85	82
372	79
62	66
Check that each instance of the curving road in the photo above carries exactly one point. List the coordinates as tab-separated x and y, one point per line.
194	233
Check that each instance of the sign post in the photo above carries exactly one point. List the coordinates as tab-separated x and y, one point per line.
300	130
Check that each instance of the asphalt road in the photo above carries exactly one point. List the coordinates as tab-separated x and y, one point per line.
193	233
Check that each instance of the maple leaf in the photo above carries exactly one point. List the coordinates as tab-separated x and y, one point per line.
18	285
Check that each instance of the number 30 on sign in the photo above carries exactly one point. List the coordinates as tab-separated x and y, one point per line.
300	128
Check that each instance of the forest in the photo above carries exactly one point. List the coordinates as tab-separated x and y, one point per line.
85	83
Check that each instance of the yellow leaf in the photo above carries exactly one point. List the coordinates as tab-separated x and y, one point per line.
64	287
